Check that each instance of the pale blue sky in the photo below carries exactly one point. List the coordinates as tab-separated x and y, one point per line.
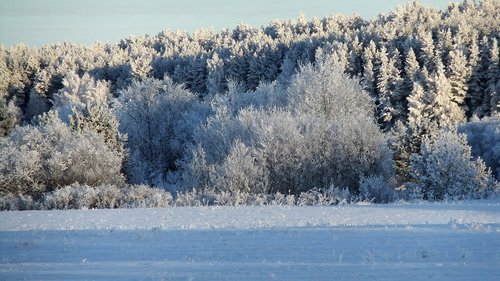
37	22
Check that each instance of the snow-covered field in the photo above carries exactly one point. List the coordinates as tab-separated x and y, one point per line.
373	242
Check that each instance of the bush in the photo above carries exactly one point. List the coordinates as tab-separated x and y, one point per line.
38	159
11	202
484	138
444	168
105	197
155	116
194	198
326	135
376	189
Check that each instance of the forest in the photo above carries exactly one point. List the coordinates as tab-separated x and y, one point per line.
404	106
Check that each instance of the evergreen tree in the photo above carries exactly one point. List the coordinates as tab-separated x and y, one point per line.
216	77
369	76
428	51
389	85
411	76
491	102
457	73
445	111
419	114
477	84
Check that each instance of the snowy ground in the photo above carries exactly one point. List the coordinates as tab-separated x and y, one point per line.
387	242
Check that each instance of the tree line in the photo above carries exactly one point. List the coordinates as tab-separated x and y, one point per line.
381	106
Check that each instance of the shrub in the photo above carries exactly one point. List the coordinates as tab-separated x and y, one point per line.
444	168
155	116
376	189
78	196
325	135
11	202
484	138
38	159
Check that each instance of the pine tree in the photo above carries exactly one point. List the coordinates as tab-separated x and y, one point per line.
428	51
398	95
388	88
418	111
400	142
457	73
477	80
445	43
215	81
446	112
384	105
491	102
369	76
411	75
355	65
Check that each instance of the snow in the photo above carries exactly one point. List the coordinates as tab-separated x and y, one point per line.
428	241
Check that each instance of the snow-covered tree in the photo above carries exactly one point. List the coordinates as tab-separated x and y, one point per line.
79	93
242	171
458	73
369	76
444	168
411	75
428	52
491	102
151	113
37	159
216	80
9	116
484	138
389	83
325	136
477	84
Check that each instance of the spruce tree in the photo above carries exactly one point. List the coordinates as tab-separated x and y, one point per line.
457	73
491	102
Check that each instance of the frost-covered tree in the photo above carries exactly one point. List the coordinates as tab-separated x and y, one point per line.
428	52
411	75
477	84
80	93
457	73
484	138
152	114
242	171
83	104
419	114
9	116
216	80
389	83
445	169
140	67
325	136
432	106
491	102
385	108
37	159
325	94
446	110
369	76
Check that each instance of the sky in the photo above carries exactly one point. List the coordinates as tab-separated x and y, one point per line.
38	22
